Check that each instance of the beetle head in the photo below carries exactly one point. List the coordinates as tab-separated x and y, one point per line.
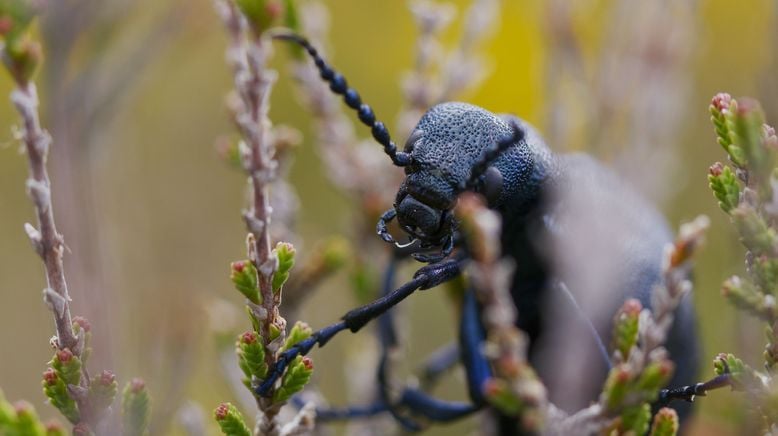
452	149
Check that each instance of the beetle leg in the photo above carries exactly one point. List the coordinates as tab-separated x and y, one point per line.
471	338
412	403
381	227
437	364
448	247
425	278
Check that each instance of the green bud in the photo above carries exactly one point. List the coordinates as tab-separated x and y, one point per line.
765	270
15	18
274	331
27	421
254	321
22	58
299	332
285	253
625	328
722	109
56	391
243	274
260	13
251	357
230	420
102	391
665	423
744	295
136	408
499	395
81	324
295	378
616	387
636	419
729	364
748	128
725	187
67	366
654	377
54	428
754	231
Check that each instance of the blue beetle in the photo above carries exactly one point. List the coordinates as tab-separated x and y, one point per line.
546	201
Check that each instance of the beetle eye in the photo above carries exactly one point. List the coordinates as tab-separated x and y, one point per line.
492	185
415	136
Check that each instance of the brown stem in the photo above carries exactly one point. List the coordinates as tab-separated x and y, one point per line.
248	55
46	240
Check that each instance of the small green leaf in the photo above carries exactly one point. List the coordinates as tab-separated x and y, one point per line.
136	408
299	332
725	187
260	13
67	366
230	420
616	387
244	276
748	129
655	376
102	391
765	270
285	253
54	428
636	419
27	421
625	328
754	231
251	356
295	378
665	423
745	295
56	391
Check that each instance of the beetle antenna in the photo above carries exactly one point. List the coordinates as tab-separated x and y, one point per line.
339	86
491	153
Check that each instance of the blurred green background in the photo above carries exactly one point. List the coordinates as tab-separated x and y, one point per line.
133	93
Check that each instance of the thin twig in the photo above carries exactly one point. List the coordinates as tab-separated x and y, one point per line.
48	243
248	54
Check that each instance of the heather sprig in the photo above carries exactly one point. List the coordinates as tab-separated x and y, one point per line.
84	401
262	276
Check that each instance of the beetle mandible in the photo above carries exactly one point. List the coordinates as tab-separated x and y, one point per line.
544	199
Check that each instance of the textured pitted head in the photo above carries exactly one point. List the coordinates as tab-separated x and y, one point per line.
443	147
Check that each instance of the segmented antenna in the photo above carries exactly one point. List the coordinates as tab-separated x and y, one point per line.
490	154
339	86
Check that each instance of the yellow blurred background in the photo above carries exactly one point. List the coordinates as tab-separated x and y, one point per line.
133	93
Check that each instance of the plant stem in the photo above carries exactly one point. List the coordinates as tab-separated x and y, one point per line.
48	243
